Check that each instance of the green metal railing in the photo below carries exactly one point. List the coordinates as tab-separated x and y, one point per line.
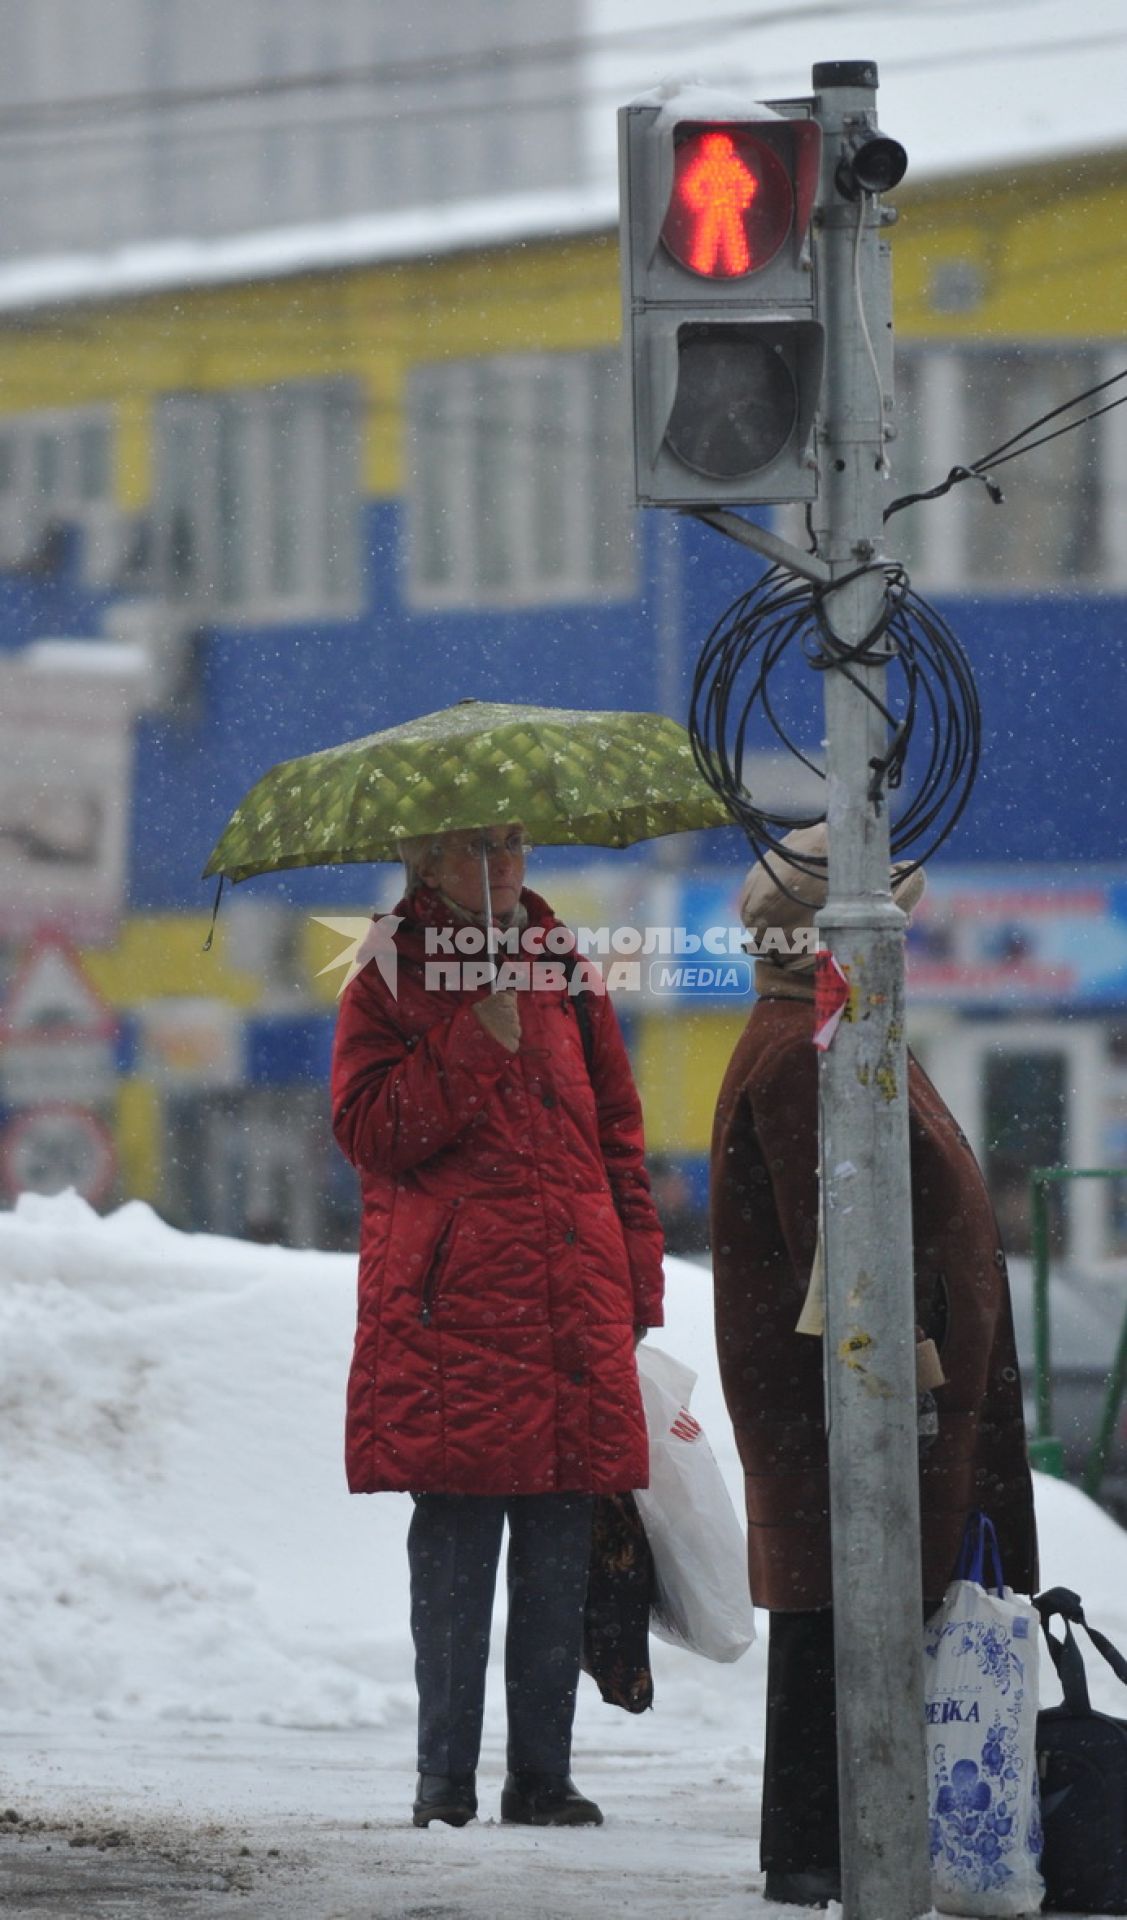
1045	1449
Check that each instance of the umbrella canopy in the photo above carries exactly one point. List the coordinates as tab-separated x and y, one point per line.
569	776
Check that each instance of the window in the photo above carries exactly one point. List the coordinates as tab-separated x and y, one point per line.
1025	1125
518	482
56	463
1056	524
257	500
55	468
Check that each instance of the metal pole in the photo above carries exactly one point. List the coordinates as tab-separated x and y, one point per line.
1105	1439
670	851
866	1200
1046	1451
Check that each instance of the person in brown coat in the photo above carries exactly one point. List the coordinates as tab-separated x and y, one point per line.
764	1235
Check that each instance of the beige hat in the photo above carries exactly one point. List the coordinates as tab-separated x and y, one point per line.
763	903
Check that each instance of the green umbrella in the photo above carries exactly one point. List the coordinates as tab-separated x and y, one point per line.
570	777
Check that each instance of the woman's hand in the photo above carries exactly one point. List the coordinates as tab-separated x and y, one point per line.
500	1016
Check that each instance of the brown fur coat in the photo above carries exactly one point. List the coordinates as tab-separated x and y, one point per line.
764	1229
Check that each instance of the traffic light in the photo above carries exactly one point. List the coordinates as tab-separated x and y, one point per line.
723	340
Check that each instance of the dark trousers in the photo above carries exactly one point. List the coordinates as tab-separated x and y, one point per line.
799	1828
453	1548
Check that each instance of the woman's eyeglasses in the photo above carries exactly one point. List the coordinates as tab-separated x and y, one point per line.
513	847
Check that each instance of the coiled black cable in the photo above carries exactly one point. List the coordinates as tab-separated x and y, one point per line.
733	686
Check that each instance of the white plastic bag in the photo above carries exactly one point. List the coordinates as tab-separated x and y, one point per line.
700	1555
980	1692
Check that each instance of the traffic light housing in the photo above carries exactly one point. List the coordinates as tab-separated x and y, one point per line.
724	344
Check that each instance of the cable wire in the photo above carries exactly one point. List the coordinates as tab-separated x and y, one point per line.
937	706
1015	446
864	201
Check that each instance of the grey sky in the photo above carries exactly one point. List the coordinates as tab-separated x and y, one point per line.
960	79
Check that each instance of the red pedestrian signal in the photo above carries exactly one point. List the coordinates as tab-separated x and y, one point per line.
725	340
732	205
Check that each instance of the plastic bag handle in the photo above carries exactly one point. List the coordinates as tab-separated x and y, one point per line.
979	1537
1062	1603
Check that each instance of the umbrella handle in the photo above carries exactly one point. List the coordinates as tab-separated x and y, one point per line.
487	903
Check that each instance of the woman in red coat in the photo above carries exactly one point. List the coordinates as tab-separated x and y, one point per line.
510	1258
764	1236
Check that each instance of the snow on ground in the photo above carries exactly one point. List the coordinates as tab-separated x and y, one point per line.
208	1686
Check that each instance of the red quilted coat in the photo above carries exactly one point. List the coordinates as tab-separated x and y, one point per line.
508	1242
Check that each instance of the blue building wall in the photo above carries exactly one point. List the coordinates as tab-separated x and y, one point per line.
1048	670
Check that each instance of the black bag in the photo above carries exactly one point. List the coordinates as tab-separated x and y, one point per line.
621	1586
1082	1766
620	1593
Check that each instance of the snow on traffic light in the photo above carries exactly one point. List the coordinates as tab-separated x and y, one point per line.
724	344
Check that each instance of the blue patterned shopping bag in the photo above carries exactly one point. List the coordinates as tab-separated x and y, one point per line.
980	1694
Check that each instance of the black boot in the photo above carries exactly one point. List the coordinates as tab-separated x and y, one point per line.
445	1796
816	1887
546	1800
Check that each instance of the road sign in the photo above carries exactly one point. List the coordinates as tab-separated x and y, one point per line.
56	1032
52	1147
53	997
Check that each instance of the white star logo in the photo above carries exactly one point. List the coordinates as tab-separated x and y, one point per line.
366	940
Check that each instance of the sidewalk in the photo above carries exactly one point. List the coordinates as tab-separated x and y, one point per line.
171	1822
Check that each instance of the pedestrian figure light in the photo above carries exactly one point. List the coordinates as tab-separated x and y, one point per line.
731	207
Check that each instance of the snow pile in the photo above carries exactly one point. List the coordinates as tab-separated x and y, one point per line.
178	1539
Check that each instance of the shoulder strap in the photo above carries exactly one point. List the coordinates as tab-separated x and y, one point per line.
582	1012
1061	1602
